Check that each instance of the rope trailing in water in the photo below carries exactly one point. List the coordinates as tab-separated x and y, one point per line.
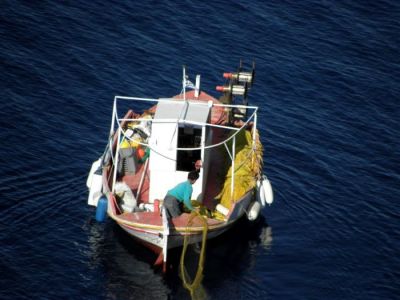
192	287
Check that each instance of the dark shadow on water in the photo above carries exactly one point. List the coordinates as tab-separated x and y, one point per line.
123	266
235	251
128	265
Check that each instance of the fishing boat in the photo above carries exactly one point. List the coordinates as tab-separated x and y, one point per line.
155	144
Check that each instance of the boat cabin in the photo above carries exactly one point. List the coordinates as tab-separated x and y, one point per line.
179	135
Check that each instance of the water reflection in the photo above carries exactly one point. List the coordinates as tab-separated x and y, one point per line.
266	237
127	267
96	239
124	266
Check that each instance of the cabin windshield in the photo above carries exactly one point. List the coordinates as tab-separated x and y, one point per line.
188	137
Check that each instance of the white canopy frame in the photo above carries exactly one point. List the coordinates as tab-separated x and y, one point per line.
116	125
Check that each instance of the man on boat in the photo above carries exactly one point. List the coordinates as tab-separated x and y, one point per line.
180	194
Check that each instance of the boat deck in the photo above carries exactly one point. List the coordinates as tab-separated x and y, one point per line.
155	219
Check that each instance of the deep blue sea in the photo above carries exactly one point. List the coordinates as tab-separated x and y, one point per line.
327	83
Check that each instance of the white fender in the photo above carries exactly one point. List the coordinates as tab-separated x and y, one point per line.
268	192
254	210
95	183
95	165
260	193
124	192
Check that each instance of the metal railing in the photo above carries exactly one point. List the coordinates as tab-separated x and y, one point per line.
116	125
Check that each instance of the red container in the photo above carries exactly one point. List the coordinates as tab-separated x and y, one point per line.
157	206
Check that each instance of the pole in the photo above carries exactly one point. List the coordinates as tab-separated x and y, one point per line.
184	82
233	168
165	238
116	159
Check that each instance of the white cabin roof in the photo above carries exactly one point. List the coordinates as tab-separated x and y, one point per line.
181	110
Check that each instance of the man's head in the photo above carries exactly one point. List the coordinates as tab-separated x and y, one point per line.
193	176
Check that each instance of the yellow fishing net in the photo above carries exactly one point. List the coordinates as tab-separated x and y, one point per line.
194	286
248	165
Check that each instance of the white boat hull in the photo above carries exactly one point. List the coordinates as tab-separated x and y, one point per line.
176	237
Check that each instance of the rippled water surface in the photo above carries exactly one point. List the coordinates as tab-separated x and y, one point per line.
327	85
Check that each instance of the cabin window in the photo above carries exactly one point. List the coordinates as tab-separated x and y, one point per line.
188	137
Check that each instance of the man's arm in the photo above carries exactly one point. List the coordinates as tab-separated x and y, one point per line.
188	195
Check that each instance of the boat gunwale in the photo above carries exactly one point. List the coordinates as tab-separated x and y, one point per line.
159	228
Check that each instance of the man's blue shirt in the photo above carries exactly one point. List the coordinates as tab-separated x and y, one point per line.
183	193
